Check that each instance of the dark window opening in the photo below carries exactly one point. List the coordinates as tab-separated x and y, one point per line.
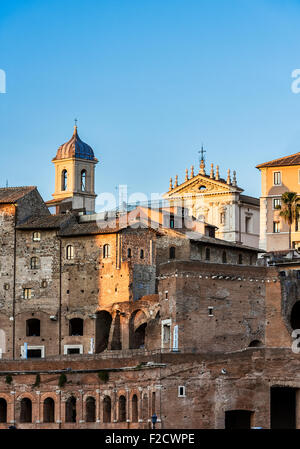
134	408
295	316
129	253
283	408
90	409
207	253
103	325
142	254
71	409
255	344
238	419
49	406
33	328
172	222
73	351
64	180
153	403
122	409
26	410
34	353
106	409
172	252
224	257
240	260
3	410
76	327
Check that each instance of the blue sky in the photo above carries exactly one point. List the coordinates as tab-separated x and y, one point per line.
149	81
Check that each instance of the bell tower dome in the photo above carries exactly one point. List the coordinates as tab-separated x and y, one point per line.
74	176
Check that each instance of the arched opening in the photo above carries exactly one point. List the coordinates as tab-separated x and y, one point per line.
255	344
64	180
106	251
26	410
3	410
238	419
103	325
70	252
201	188
106	409
224	257
122	409
34	263
90	409
116	344
172	253
134	408
49	406
145	407
71	409
137	330
33	328
295	316
83	180
153	402
76	327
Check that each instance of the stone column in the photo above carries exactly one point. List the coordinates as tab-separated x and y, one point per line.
58	407
128	406
158	412
81	413
13	408
98	406
125	331
140	406
38	407
114	406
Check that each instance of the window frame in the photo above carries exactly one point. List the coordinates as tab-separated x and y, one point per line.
106	251
36	236
70	252
276	227
277	172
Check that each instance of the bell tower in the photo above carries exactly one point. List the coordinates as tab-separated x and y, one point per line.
75	164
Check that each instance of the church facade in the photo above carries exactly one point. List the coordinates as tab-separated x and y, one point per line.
105	322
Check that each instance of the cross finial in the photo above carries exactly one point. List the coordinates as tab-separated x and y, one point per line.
201	152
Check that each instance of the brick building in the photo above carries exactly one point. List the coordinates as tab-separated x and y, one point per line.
104	322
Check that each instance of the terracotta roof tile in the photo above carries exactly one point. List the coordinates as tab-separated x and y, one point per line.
293	159
13	194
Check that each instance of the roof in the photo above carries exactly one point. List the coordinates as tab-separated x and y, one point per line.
249	200
47	222
75	147
293	159
101	227
9	195
199	238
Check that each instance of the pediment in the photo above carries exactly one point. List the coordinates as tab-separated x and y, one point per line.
200	184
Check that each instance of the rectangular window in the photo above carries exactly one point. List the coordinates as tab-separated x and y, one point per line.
247	224
277	178
276	203
26	293
210	311
73	349
181	391
276	227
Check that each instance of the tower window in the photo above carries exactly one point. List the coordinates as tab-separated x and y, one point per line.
36	236
70	252
64	180
172	252
34	263
83	180
106	251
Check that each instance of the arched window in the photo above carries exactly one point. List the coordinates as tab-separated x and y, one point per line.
70	252
106	251
36	236
64	180
122	409
26	410
71	409
142	254
49	406
106	409
172	252
83	180
240	259
134	408
3	410
129	253
207	253
255	344
33	328
34	263
224	257
90	409
76	327
295	316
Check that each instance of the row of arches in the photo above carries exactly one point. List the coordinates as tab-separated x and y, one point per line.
133	413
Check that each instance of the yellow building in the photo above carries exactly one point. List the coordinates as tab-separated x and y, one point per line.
277	176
